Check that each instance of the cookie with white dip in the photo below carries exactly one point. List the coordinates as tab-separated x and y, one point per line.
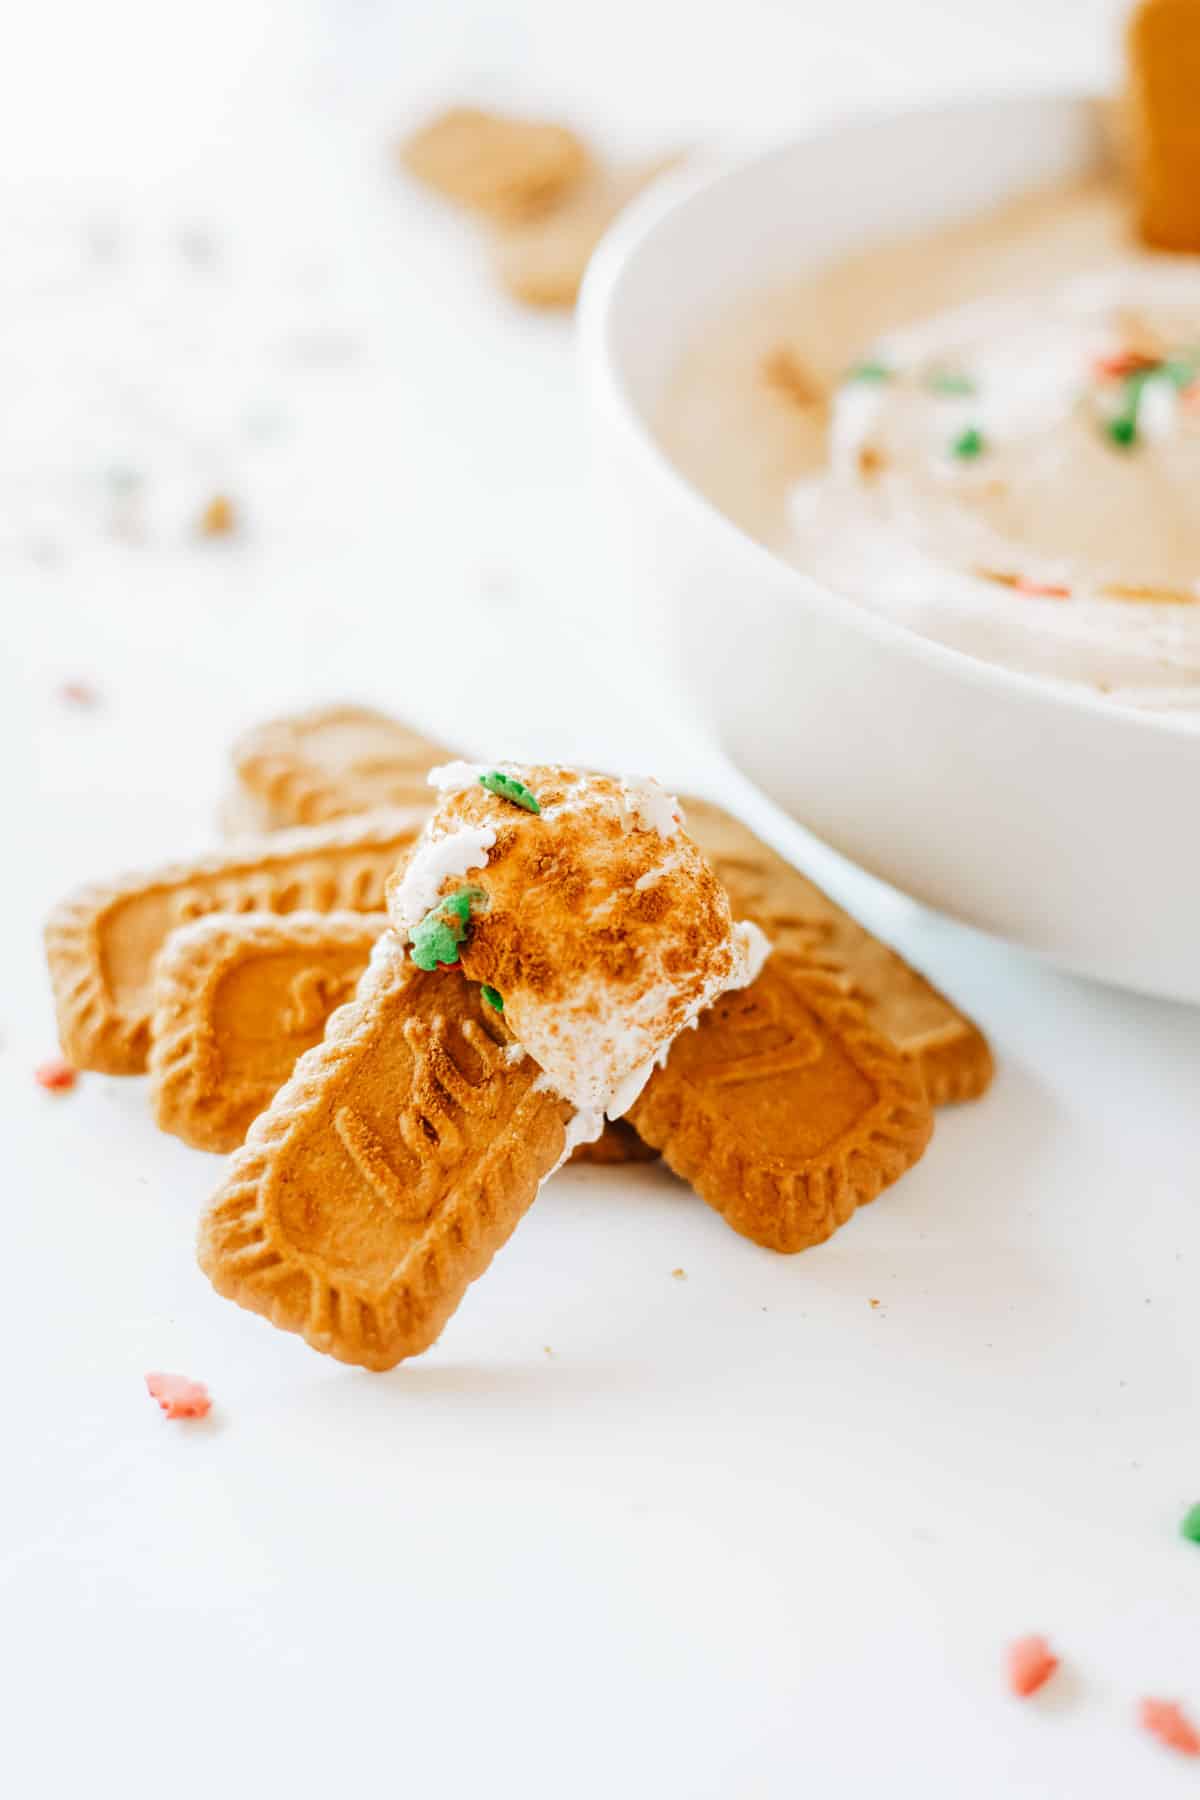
585	909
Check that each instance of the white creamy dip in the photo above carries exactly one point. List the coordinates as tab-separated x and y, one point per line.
1020	478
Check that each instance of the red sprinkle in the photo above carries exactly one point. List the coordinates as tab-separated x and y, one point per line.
1031	1663
78	693
179	1397
1046	590
1125	362
1169	1723
56	1076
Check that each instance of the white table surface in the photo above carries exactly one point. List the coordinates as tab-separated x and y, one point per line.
618	1533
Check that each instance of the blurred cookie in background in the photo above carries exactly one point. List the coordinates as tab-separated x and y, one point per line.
501	167
542	262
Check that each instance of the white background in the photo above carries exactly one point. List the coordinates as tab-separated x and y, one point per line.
739	1535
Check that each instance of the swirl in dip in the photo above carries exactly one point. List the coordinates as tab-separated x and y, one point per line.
1020	478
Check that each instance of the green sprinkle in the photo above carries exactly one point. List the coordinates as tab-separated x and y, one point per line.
868	371
434	942
945	381
1123	429
496	1000
459	903
1180	371
436	938
1189	1525
969	445
509	788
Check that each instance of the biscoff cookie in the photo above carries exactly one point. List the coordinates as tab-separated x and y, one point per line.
1163	122
503	167
388	1171
240	815
617	1143
542	261
237	1000
784	1109
101	942
581	903
311	767
950	1051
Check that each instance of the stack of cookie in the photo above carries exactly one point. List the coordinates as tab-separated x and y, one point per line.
408	1084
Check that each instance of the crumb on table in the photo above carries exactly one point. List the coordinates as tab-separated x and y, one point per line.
219	517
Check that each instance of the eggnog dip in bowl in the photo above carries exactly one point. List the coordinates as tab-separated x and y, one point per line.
899	442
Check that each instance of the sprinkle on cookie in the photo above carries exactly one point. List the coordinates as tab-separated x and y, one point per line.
1167	1721
179	1397
56	1075
494	999
507	787
1031	1663
436	937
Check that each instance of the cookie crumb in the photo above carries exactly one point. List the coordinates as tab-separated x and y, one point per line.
56	1075
784	372
1031	1663
179	1397
547	1349
872	1303
679	1274
1167	1721
219	517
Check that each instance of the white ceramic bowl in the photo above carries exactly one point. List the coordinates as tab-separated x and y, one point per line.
1044	816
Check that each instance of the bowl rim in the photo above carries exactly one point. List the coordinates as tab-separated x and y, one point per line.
688	188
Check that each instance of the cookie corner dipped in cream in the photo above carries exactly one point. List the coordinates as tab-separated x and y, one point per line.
586	911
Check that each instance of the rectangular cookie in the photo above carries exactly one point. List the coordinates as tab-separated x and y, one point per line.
101	942
237	1000
951	1052
388	1171
310	767
784	1108
407	1146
